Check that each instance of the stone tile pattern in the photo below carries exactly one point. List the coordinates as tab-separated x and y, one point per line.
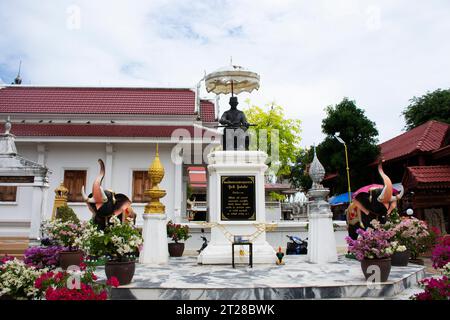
183	278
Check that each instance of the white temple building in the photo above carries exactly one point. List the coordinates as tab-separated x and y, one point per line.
67	129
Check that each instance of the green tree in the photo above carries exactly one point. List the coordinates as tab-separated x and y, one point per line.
431	106
360	135
299	170
288	133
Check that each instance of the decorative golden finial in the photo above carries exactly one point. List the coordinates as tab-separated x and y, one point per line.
61	193
156	174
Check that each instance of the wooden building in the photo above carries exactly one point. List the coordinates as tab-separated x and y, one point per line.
420	158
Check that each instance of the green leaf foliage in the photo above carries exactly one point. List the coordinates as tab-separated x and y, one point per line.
431	106
360	135
273	118
299	170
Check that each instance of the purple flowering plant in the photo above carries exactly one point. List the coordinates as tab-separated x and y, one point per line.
371	244
43	257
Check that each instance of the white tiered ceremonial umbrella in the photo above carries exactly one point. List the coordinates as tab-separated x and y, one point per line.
232	79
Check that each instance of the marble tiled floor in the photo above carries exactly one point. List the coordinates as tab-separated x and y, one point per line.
183	278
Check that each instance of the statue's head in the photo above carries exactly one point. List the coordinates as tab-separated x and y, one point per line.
234	102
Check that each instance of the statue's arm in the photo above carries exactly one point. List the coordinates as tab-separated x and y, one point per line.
244	121
223	120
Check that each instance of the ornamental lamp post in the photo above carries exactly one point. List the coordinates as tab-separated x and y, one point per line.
346	163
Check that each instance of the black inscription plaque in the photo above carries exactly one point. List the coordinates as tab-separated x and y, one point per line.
238	199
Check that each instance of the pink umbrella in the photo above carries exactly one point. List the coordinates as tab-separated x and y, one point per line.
366	189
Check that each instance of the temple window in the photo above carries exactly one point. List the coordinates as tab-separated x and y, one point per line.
8	193
74	180
141	182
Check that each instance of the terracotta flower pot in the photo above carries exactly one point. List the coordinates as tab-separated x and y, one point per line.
369	266
123	271
176	249
70	258
400	259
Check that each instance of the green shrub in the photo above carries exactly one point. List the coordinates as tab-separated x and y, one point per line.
66	213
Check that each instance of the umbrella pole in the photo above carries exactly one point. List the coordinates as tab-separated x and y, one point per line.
232	88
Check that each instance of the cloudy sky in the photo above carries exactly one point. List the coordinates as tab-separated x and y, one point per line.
309	54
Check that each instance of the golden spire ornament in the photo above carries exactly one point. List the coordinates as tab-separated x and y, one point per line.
61	193
156	174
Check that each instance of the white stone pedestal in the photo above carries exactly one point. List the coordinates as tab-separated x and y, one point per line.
154	232
244	164
321	239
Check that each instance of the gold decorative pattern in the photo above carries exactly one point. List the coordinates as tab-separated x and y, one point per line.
156	174
61	193
260	228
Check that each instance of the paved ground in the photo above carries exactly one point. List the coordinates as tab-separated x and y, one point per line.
183	278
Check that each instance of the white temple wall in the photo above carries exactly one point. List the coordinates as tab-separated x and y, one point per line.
130	157
15	217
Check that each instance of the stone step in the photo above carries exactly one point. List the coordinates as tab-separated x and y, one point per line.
13	246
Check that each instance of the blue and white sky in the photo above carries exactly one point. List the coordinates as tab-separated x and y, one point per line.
309	54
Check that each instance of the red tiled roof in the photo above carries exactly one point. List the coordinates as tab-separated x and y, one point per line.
427	177
95	100
425	138
207	111
94	130
197	177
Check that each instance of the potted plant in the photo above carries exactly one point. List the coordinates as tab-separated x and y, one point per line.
120	244
17	280
68	285
401	255
178	233
414	234
66	234
373	249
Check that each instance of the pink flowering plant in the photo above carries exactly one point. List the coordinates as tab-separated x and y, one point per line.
371	244
410	232
64	233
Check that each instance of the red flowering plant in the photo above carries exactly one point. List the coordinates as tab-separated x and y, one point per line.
438	288
77	284
177	232
434	289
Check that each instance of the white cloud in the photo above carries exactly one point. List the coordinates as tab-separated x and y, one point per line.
309	54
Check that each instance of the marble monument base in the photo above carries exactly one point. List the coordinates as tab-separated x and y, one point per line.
236	201
154	232
184	279
221	254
